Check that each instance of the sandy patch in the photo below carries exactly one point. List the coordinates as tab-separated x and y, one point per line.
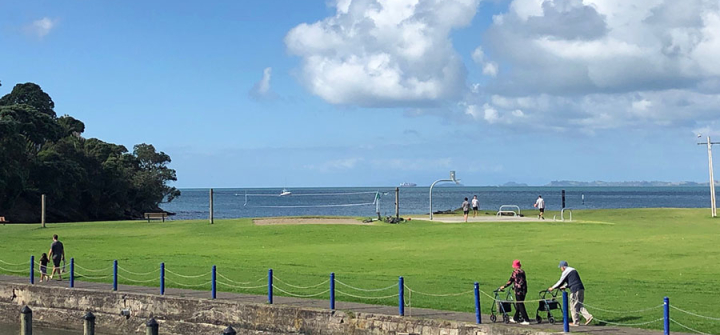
279	221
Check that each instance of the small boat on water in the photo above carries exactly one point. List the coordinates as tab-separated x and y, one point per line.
408	184
285	192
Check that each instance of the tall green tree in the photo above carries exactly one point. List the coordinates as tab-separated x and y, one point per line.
84	179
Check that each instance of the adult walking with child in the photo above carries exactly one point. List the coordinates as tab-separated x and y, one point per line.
57	254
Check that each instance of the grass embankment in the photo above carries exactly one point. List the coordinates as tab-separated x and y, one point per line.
628	259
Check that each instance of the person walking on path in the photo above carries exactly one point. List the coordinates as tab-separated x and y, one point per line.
57	254
540	204
519	282
571	279
475	205
466	208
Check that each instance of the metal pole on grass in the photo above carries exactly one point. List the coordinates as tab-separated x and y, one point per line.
72	272
26	321
713	204
397	202
32	269
214	286
89	324
401	296
42	210
270	286
566	320
478	316
666	315
212	212
162	280
332	290
115	275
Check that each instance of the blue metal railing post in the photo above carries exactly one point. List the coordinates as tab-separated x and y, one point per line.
566	319
478	316
214	287
332	290
666	305
162	278
270	286
401	296
72	272
115	275
32	269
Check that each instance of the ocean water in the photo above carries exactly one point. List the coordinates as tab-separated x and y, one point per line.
240	203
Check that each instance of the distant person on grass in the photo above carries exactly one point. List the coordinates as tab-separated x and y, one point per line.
540	205
57	253
519	282
475	205
466	208
571	279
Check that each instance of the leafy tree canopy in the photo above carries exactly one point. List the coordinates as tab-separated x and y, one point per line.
84	179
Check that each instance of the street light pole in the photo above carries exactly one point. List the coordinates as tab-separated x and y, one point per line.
452	179
713	205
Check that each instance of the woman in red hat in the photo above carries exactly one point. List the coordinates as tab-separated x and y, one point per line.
517	279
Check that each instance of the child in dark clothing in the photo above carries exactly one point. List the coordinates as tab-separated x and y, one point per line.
519	282
43	267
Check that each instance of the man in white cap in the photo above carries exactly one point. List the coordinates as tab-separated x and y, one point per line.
571	279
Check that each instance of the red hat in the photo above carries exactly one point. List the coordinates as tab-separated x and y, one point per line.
516	263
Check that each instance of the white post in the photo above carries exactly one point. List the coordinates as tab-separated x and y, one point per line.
42	209
713	205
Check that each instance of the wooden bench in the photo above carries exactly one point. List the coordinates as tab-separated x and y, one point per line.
2	220
156	216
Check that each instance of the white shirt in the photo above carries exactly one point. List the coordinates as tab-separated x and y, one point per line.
540	203
475	202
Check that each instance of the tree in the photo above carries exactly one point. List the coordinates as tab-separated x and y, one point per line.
85	179
30	94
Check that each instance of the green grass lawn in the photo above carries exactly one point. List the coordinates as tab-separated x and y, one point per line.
628	259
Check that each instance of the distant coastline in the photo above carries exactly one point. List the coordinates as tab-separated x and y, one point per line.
599	183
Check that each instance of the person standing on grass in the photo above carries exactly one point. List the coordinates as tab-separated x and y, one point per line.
571	279
466	208
540	205
519	282
475	205
57	254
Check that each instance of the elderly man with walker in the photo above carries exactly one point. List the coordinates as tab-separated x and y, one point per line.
571	279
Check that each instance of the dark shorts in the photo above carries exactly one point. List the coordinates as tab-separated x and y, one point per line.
43	269
56	261
542	210
475	208
465	212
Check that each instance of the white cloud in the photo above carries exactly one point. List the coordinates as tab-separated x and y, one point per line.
261	89
490	69
478	55
41	27
335	165
596	64
384	53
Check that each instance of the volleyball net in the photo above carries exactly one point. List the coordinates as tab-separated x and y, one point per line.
313	200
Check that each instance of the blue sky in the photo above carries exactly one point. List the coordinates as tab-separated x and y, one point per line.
374	93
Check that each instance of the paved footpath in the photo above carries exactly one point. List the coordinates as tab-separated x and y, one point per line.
340	305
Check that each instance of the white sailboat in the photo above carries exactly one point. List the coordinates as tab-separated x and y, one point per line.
285	192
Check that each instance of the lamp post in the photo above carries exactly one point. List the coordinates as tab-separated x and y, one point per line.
452	179
709	144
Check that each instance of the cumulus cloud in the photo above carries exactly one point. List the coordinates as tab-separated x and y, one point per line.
261	89
41	27
594	64
384	53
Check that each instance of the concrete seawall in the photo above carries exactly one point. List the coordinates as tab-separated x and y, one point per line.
65	307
